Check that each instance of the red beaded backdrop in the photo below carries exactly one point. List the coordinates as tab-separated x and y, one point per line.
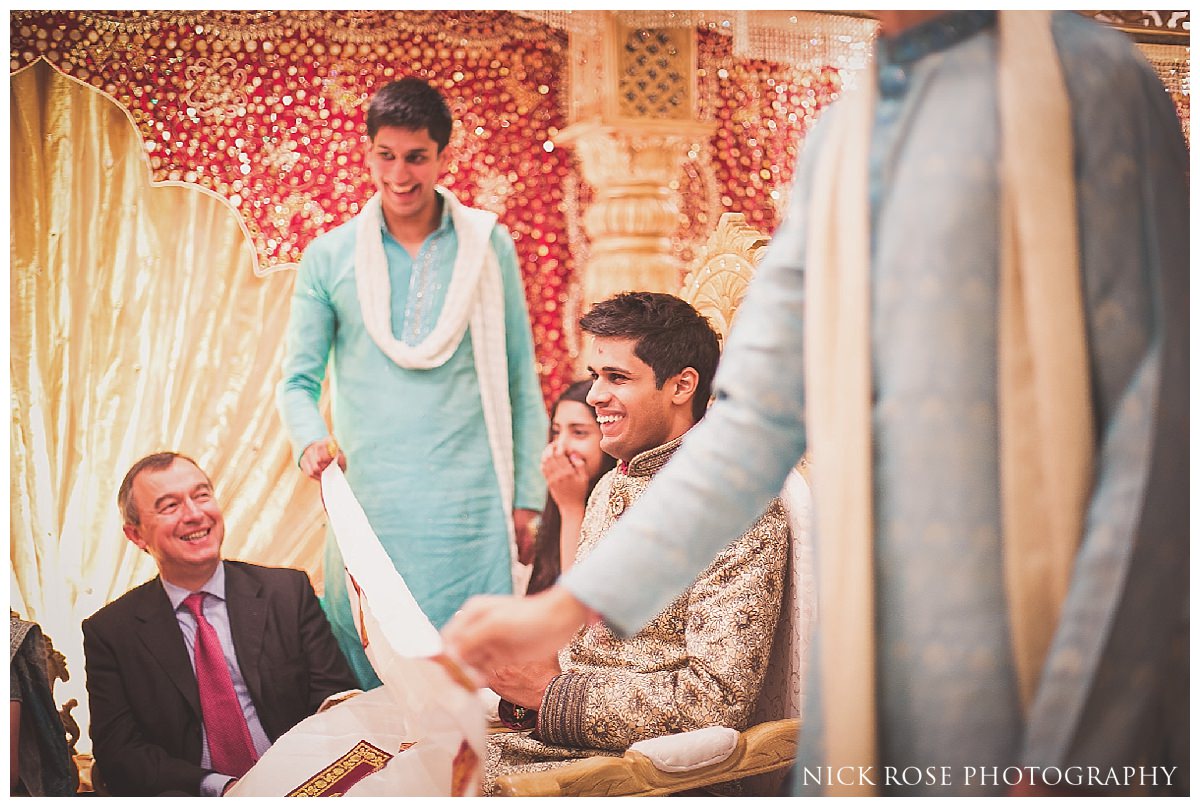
267	109
762	111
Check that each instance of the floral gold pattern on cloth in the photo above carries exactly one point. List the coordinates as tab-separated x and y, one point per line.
698	663
360	761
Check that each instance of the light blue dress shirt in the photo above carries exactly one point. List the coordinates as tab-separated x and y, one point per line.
217	614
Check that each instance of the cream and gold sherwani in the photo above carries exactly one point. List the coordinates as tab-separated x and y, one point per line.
698	663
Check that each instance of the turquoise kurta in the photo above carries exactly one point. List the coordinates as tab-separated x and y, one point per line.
1113	691
415	440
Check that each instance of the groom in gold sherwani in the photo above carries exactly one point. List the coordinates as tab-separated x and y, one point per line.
701	661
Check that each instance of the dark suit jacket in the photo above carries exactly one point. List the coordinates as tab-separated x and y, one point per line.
142	693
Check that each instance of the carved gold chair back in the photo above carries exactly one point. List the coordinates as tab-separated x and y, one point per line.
721	272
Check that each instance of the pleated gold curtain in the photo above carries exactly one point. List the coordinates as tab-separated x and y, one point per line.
137	325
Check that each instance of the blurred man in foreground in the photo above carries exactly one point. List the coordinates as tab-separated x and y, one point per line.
974	318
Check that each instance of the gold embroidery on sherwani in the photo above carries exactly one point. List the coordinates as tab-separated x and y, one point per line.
698	663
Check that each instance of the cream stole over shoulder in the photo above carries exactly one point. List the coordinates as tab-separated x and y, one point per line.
475	297
1046	418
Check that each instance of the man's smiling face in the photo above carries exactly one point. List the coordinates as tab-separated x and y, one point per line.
405	165
179	521
634	413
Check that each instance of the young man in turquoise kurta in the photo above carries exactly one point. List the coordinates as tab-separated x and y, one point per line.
437	409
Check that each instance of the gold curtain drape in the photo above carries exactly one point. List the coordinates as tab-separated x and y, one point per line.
137	325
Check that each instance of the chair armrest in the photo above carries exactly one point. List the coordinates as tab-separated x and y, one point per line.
764	748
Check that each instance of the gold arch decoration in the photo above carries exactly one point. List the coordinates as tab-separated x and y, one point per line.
137	325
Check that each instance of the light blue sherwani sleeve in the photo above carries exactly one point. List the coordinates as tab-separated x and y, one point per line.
309	338
530	424
754	433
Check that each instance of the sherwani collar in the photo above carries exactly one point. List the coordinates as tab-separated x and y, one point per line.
940	33
651	461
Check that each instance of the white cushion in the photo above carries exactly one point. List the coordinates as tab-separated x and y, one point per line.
690	750
491	706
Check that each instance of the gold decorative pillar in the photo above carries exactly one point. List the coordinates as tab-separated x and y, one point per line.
633	111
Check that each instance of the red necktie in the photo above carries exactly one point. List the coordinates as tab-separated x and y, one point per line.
229	745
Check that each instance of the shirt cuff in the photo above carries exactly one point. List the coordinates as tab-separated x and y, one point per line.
213	783
560	720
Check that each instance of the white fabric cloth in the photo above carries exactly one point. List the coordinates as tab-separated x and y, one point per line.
426	714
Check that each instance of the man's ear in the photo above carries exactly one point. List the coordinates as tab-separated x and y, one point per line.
685	384
443	159
134	535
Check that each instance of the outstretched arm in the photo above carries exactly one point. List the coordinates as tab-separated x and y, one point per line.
491	632
729	467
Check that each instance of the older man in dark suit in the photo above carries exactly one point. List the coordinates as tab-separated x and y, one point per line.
194	674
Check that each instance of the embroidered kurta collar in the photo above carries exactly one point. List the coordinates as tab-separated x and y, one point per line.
934	35
648	463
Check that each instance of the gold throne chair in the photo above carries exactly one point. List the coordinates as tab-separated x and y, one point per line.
715	284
